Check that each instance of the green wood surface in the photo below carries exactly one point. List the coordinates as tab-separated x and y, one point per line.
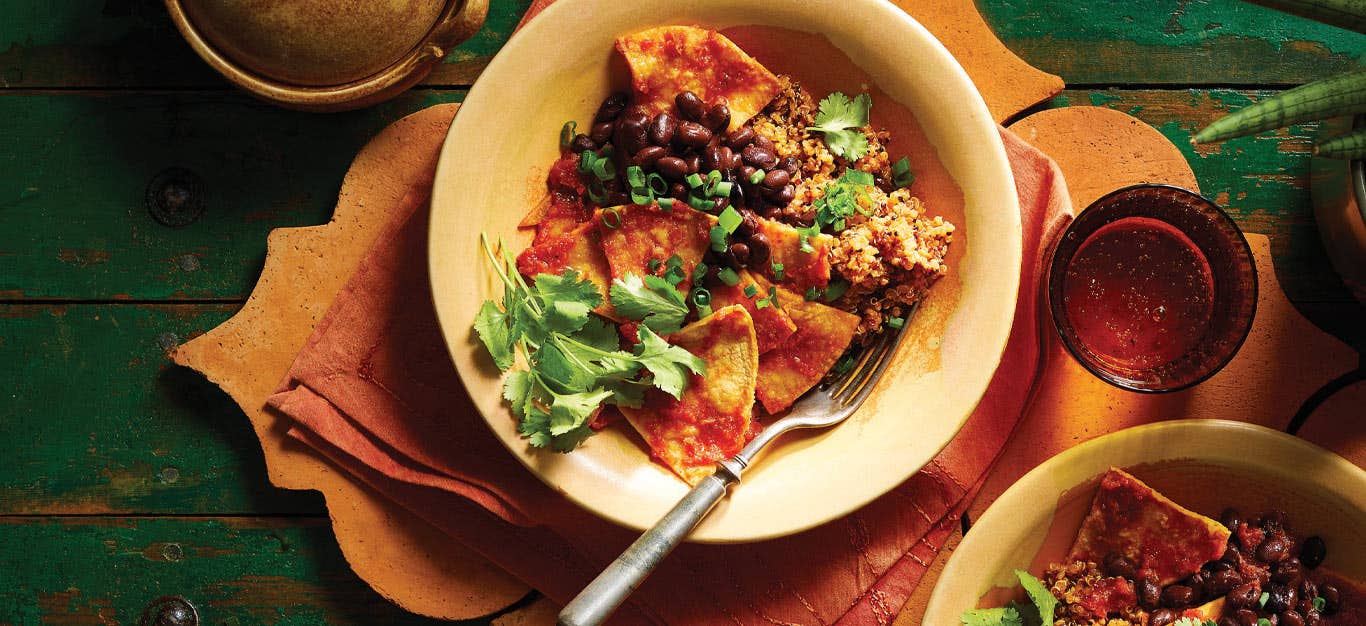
126	478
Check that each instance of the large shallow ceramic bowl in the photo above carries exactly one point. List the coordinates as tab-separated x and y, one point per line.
492	170
1204	465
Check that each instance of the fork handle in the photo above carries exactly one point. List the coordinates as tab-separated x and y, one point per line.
601	597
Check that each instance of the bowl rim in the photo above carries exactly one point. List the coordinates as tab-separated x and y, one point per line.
996	158
1057	310
457	21
1000	521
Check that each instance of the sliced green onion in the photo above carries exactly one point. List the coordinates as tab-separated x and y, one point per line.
773	296
761	304
567	134
902	176
701	204
713	179
674	261
701	297
586	160
778	272
835	289
857	177
722	189
757	177
654	265
635	177
813	293
730	219
1261	602
1319	603
703	311
896	322
639	198
751	291
729	277
804	236
597	193
845	364
607	151
694	180
718	239
603	169
674	275
665	203
1262	621
657	184
611	219
699	272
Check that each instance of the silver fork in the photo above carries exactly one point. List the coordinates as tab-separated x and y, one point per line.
828	404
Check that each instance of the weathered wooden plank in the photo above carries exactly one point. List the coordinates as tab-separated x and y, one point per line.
97	419
73	188
76	171
1261	180
234	571
133	44
1170	42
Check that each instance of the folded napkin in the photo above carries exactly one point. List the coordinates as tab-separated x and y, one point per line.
374	390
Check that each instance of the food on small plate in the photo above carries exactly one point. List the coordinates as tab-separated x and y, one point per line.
715	239
1141	559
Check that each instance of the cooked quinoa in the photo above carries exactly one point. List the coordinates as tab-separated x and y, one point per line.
891	256
1071	583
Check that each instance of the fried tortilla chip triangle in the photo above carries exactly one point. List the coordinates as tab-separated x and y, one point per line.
823	333
711	421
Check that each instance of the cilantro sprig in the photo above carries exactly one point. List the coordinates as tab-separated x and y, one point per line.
1039	611
840	201
841	121
574	364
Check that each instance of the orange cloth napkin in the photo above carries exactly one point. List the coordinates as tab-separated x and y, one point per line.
375	391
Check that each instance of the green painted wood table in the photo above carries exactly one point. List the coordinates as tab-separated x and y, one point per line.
124	479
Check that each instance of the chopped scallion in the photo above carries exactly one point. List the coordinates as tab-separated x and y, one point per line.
778	271
757	177
657	185
586	160
813	293
751	291
611	218
723	189
896	322
730	219
835	289
718	239
699	272
729	277
701	297
604	170
654	265
597	194
845	364
567	134
701	204
635	177
694	180
665	203
902	176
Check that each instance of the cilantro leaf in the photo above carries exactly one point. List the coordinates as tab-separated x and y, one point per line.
652	301
841	121
841	199
670	364
1038	594
572	410
517	390
566	300
536	427
492	325
991	617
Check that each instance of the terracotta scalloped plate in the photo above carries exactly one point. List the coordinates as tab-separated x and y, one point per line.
1205	465
492	167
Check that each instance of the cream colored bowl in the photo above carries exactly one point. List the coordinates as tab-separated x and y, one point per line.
1205	465
492	170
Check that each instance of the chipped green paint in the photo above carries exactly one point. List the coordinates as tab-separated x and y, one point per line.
109	425
502	19
1102	98
233	570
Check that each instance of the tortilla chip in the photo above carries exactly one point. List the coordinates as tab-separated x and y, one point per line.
577	248
800	269
712	420
823	333
772	324
647	232
1160	536
669	60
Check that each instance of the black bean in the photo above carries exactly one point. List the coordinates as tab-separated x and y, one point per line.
764	142
611	108
1274	548
759	247
617	198
758	156
1278	598
678	191
581	143
1244	595
740	252
791	164
690	106
694	163
729	158
1313	551
647	156
672	168
745	172
1291	617
721	204
1288	572
1162	617
1312	618
692	135
711	157
1149	594
1309	589
785	195
1114	563
776	179
1331	598
740	137
1178	596
601	132
1231	555
1272	520
1221	582
1216	566
749	224
1230	518
717	117
773	212
631	134
662	129
1245	617
1228	620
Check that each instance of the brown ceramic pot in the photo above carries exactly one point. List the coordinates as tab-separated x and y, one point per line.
325	56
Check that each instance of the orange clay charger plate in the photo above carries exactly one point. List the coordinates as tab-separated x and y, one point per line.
1202	465
560	67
